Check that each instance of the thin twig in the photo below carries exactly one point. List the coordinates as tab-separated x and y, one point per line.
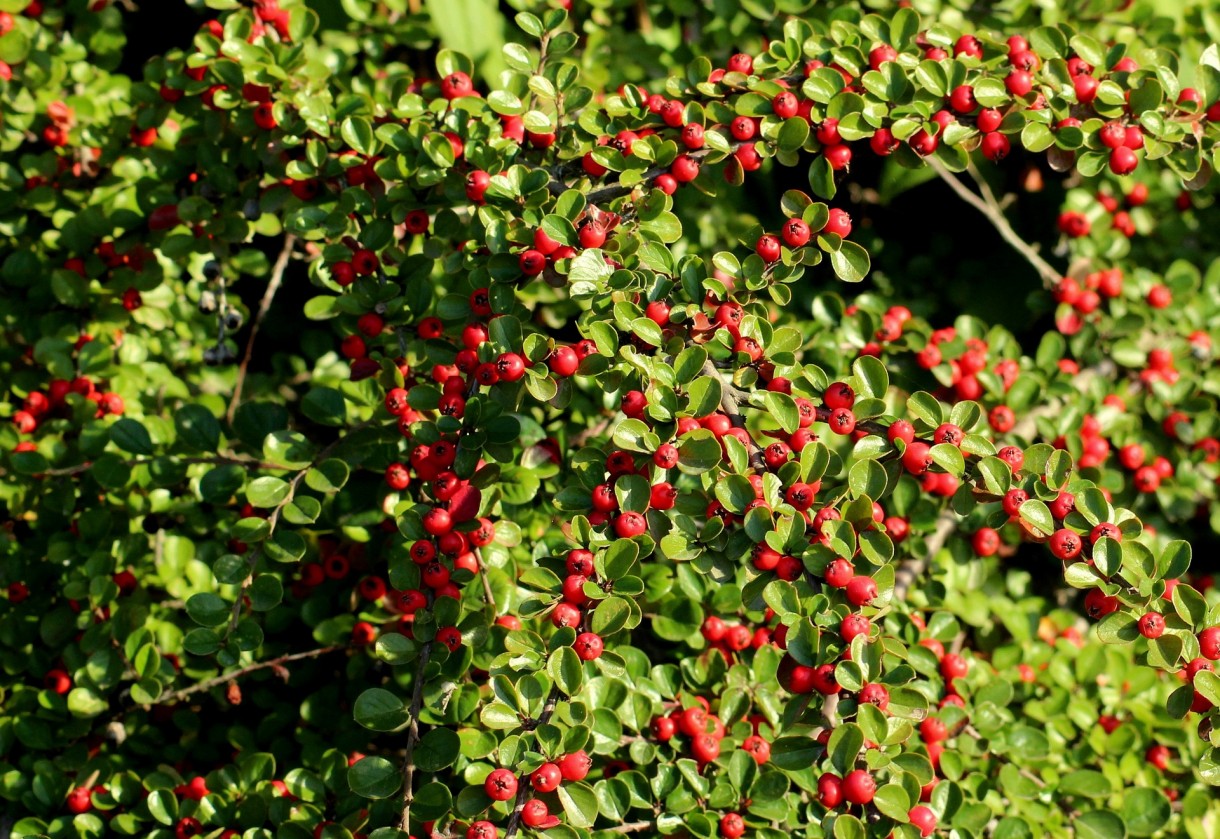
179	695
630	827
273	285
523	787
215	460
731	398
487	593
408	761
990	208
910	570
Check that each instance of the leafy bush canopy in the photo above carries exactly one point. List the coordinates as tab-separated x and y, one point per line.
398	444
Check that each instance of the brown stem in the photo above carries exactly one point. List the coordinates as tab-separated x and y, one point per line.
523	787
731	399
273	285
909	570
216	460
989	207
487	592
408	761
630	827
178	695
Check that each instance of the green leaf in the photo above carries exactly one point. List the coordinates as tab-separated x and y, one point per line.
438	749
131	436
698	453
357	132
374	777
892	800
85	702
611	615
325	405
874	379
850	262
207	609
564	666
1085	782
1190	606
1145	810
1208	684
579	803
1037	514
197	427
1099	824
163	806
704	395
1118	628
265	592
267	492
845	743
783	410
378	709
328	476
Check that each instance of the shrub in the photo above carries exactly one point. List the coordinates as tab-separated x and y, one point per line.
404	445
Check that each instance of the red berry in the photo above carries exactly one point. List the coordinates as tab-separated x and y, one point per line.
535	813
859	787
1209	643
1065	544
1152	625
923	819
830	790
501	785
953	666
986	541
861	590
456	84
838	222
854	625
546	778
589	645
563	362
576	766
630	524
732	826
768	247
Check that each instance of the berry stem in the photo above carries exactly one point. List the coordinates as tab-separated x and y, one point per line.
408	760
273	285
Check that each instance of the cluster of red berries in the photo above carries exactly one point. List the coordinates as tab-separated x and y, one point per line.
968	359
729	639
702	732
1084	299
502	785
796	233
1120	219
39	406
570	611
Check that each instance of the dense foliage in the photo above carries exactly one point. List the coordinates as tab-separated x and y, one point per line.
609	436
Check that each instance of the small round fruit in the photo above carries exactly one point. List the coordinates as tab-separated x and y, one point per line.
830	790
501	785
923	819
859	787
576	766
588	646
1152	625
546	778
